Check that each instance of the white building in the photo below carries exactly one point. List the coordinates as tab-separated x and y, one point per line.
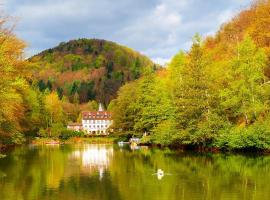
94	122
75	126
97	122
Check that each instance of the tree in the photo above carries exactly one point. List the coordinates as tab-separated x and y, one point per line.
191	96
246	83
154	103
54	110
125	111
12	84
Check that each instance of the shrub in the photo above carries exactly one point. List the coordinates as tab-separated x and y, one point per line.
253	137
17	138
163	133
43	132
66	134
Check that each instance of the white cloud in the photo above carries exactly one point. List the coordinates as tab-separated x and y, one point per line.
225	16
158	28
162	61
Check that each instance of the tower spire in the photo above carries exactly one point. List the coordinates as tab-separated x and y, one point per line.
100	107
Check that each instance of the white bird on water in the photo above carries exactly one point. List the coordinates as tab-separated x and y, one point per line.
160	174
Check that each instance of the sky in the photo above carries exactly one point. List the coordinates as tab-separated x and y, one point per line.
156	28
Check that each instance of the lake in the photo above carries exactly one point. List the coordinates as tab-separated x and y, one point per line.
101	172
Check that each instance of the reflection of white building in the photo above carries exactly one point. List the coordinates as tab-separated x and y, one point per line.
94	157
95	122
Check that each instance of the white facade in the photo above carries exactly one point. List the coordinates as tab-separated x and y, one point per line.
96	126
97	122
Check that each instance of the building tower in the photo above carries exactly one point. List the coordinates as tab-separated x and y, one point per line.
100	107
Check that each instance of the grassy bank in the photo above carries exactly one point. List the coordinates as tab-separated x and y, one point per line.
76	140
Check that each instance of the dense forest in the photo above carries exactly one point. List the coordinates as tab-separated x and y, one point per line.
88	69
39	96
214	96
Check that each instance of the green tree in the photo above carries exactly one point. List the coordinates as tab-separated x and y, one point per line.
191	96
244	95
54	111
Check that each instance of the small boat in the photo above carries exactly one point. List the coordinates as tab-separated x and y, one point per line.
121	143
134	140
52	143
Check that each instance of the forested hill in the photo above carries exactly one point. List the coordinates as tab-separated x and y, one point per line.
216	95
88	69
253	22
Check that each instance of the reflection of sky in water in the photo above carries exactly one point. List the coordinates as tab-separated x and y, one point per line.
94	157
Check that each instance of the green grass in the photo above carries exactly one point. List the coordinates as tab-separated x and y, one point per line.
75	140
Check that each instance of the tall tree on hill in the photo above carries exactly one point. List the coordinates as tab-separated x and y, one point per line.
192	93
124	109
244	95
54	111
12	83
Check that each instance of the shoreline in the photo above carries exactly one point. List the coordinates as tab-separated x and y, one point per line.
214	150
75	140
113	140
4	149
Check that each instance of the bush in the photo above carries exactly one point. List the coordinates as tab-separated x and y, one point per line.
54	131
57	129
163	133
207	131
146	139
43	132
253	137
17	138
66	134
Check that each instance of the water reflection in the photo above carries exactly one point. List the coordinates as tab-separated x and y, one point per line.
103	172
94	158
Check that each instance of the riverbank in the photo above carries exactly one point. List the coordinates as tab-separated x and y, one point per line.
3	149
75	140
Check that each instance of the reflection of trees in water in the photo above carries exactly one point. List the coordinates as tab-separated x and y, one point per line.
193	176
71	172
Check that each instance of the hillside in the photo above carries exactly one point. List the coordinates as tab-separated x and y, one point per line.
88	69
253	22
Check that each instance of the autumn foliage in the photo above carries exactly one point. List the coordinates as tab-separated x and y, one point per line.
94	69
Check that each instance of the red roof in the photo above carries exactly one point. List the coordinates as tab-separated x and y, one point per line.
96	115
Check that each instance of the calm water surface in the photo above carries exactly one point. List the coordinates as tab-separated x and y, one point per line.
99	172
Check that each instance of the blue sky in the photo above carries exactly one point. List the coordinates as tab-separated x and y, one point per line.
156	28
